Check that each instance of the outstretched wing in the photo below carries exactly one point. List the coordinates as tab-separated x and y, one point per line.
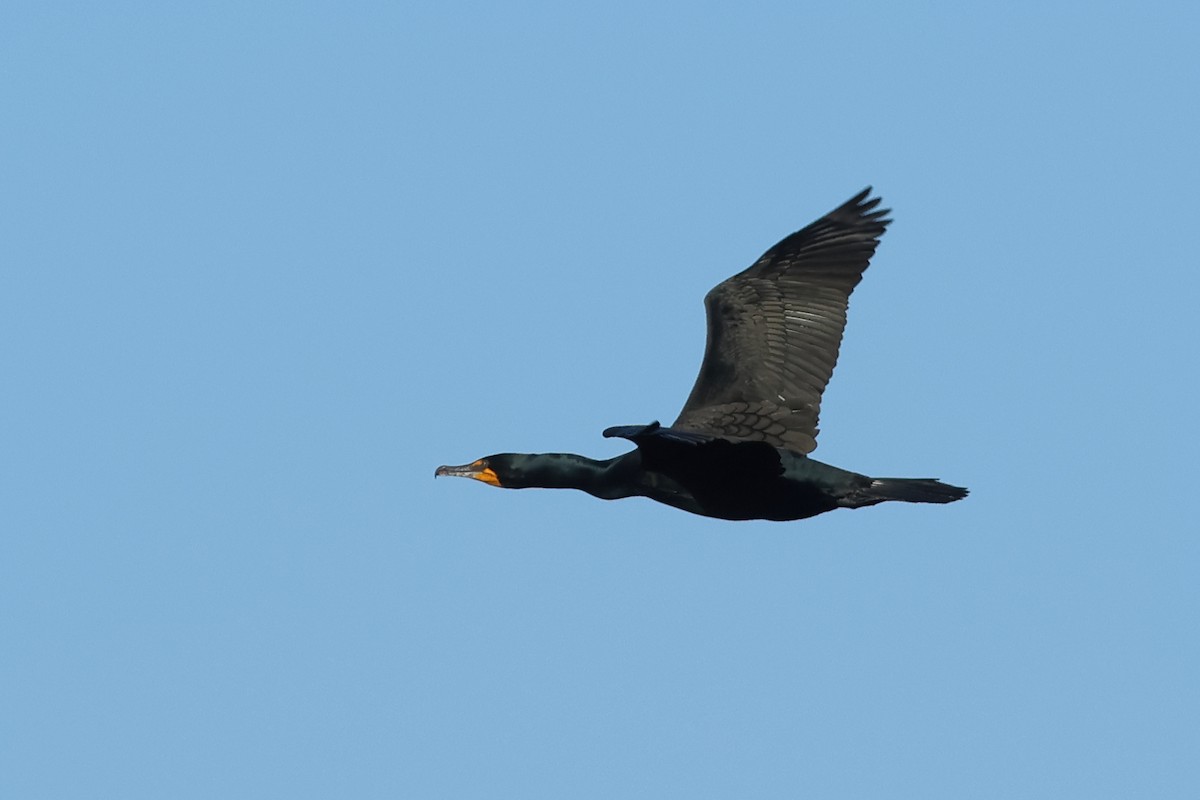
774	331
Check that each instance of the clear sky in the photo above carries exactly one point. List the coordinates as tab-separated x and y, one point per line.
265	266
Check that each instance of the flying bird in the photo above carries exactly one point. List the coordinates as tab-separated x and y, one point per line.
739	449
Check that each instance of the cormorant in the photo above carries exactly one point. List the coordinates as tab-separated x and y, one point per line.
739	449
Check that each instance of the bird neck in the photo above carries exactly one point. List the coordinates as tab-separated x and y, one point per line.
603	479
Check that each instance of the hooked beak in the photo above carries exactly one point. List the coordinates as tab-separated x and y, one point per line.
479	470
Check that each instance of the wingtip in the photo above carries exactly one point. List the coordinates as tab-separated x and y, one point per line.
629	431
865	207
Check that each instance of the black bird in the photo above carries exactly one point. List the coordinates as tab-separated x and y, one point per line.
739	448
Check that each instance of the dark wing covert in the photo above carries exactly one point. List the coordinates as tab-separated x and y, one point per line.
774	331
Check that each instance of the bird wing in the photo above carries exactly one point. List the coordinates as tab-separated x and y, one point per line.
775	328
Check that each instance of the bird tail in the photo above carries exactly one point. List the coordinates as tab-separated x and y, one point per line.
913	490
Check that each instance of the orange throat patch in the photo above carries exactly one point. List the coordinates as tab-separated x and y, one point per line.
486	475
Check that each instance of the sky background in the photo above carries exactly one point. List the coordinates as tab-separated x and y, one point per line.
265	266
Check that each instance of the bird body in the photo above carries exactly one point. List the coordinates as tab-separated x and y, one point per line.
739	449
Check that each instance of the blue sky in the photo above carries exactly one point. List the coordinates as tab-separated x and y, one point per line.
265	267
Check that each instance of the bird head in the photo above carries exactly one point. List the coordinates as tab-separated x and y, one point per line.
494	470
527	470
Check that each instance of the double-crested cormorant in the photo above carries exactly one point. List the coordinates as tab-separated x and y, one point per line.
739	448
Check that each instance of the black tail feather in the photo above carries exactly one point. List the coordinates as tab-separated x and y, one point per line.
913	490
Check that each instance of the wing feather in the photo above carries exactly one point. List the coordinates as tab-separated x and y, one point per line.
774	331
